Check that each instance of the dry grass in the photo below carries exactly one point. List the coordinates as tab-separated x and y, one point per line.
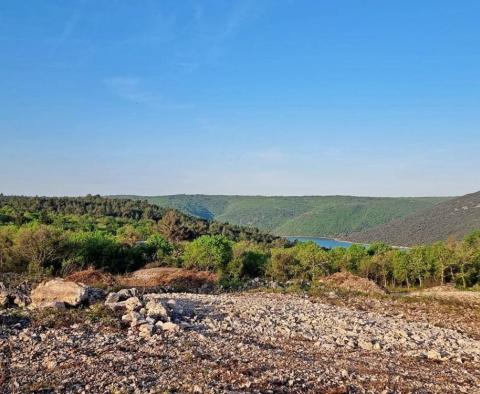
167	276
93	277
350	282
449	293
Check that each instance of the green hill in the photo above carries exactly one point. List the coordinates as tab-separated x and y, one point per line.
454	218
303	216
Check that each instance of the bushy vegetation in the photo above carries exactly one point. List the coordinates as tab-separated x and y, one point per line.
42	238
61	235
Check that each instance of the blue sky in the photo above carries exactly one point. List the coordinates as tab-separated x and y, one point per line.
240	97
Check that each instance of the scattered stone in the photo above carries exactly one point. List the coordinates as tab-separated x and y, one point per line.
246	342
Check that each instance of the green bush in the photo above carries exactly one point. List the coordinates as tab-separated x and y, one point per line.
283	265
208	252
250	264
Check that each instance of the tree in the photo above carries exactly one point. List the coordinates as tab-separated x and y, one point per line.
160	246
97	249
352	258
400	267
283	265
172	227
313	260
420	266
129	235
443	260
7	255
208	252
42	246
249	264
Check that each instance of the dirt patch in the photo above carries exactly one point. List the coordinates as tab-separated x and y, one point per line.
93	277
167	276
449	293
350	282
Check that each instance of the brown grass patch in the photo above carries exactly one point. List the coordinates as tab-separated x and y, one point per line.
350	282
93	277
168	276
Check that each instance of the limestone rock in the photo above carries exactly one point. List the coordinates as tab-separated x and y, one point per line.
169	326
133	304
156	310
58	291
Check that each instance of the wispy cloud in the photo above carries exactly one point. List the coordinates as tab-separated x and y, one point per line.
213	32
132	89
129	89
68	29
269	154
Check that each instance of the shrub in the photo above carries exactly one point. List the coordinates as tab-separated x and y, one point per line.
283	265
250	264
99	250
42	247
208	252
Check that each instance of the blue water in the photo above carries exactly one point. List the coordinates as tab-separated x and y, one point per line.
324	242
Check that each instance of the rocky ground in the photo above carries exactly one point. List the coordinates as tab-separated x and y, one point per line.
237	343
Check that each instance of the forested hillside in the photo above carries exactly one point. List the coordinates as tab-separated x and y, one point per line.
454	218
302	216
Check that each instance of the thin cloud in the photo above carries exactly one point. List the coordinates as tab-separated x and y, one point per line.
131	89
69	28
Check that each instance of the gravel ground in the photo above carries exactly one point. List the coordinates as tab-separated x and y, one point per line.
252	342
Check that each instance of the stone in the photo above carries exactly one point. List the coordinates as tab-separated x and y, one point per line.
112	298
116	306
435	355
365	345
4	296
145	330
169	326
59	291
156	310
21	300
133	303
131	316
95	295
127	293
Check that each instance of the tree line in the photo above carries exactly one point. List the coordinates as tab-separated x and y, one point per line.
42	235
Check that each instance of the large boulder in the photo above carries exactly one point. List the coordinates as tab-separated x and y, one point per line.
59	291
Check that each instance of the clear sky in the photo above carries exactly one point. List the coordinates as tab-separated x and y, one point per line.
240	97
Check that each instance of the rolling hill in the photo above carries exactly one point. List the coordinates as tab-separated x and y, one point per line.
452	218
329	216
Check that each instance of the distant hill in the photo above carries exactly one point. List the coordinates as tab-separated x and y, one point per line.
452	218
331	216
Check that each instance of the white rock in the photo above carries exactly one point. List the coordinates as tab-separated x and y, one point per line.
156	310
61	291
133	303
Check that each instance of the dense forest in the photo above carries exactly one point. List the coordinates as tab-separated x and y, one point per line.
41	235
321	216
